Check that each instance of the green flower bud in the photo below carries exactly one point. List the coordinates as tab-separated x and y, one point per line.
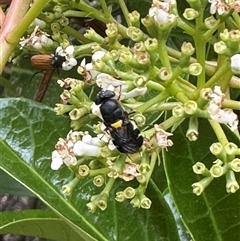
135	202
125	56
220	48
151	44
129	192
98	180
55	27
199	187
217	171
149	23
94	36
135	34
178	111
83	170
195	69
63	21
190	107
141	178
102	203
205	92
224	35
114	55
139	119
138	47
235	165
232	185
91	207
76	114
134	18
210	22
192	132
230	148
120	197
145	202
165	73
68	188
49	17
112	33
61	109
187	49
144	167
199	168
234	35
143	59
217	149
190	14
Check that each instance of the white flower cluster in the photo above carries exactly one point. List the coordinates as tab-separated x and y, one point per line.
162	137
225	116
68	149
37	39
235	63
160	11
68	54
220	6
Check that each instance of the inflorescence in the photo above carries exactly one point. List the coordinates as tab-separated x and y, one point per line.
132	72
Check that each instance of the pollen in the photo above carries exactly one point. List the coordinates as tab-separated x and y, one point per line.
117	124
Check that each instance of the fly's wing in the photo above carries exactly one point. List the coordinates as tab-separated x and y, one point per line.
127	139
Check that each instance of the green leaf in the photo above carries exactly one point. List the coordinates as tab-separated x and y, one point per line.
28	134
214	215
43	224
11	186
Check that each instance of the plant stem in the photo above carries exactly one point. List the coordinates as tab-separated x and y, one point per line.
124	11
219	132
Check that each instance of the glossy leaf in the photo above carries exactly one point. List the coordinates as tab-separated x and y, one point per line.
10	186
43	224
214	215
28	135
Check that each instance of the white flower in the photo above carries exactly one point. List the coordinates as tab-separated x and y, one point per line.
38	39
57	160
225	116
160	11
87	71
235	63
162	137
135	92
98	55
96	110
218	6
221	6
63	152
68	54
82	149
107	82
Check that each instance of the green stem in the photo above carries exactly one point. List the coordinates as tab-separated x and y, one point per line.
94	13
219	132
214	79
236	17
76	34
142	188
170	122
162	52
106	12
231	104
157	99
124	9
156	86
